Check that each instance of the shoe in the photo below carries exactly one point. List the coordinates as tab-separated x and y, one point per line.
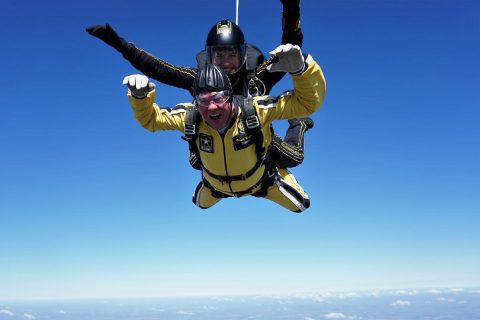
307	121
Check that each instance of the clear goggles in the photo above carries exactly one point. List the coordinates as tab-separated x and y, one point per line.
204	99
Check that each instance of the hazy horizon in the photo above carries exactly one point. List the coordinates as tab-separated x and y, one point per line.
432	304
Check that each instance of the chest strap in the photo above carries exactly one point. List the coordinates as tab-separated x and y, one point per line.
239	177
265	182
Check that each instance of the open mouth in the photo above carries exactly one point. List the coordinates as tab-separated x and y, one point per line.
215	116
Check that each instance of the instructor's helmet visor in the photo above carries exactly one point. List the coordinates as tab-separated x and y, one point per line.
225	46
228	58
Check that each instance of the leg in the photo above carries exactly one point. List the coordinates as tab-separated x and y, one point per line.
290	152
288	193
292	33
203	197
296	131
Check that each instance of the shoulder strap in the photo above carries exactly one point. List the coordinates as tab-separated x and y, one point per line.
252	124
192	121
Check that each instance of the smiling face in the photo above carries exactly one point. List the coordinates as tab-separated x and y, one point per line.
227	58
215	108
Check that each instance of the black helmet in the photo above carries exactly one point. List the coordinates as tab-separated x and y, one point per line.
211	78
225	34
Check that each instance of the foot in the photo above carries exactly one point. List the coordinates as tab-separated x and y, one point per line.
307	121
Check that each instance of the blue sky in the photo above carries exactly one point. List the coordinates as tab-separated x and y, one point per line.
92	205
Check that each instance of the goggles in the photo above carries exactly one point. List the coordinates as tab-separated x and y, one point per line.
206	98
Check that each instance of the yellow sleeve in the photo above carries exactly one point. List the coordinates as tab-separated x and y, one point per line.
307	96
153	118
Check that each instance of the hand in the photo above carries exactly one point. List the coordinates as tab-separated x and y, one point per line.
107	35
139	85
290	59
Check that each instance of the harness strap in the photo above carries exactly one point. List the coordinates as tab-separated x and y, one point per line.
268	178
265	182
191	123
252	124
229	179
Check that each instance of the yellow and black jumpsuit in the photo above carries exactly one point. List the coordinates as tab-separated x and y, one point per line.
228	154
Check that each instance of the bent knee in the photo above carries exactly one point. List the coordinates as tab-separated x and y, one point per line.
203	198
289	160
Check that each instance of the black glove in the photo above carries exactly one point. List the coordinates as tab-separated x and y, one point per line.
107	35
290	3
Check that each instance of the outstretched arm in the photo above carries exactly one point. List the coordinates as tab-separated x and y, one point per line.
308	87
148	64
141	94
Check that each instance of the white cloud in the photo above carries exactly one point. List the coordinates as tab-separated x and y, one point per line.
374	294
334	315
349	295
185	313
29	316
313	296
456	290
338	315
442	299
435	291
309	318
406	292
401	303
6	312
61	312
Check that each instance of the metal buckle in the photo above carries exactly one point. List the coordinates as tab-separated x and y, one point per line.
252	88
271	172
190	129
252	121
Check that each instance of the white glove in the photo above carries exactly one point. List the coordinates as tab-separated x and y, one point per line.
290	59
139	85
